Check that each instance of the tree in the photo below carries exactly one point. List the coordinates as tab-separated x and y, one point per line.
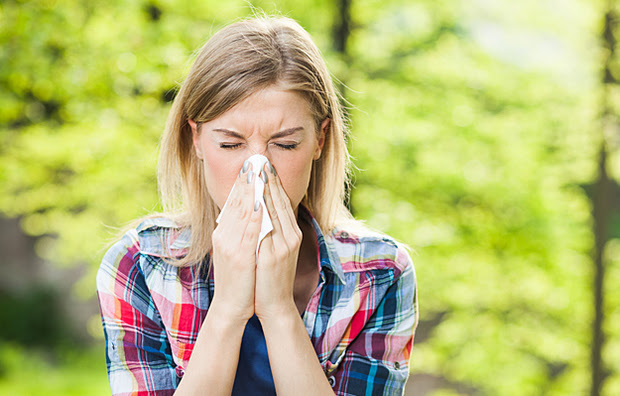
475	146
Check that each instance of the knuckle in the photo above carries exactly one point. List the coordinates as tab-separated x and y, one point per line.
255	217
235	202
244	214
282	255
230	204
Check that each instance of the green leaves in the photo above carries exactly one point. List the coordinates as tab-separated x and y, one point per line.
474	124
473	159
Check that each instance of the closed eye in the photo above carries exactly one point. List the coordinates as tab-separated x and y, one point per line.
229	146
285	146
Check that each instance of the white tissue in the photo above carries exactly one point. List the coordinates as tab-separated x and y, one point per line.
258	162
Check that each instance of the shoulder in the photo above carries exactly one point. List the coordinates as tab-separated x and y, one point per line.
159	237
360	248
121	253
162	237
154	235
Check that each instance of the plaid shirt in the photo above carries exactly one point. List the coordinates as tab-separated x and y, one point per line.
360	319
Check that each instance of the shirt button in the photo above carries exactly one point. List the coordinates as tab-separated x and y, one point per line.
332	381
179	371
344	235
396	365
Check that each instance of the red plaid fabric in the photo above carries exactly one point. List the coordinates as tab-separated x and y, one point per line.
361	318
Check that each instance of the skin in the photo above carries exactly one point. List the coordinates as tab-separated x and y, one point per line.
276	283
256	120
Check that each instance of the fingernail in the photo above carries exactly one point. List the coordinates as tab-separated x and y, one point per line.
246	164
250	174
263	176
272	169
256	206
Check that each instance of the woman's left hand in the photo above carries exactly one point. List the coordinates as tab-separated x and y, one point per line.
276	263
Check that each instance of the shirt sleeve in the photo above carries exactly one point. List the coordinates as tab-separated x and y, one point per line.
138	355
377	360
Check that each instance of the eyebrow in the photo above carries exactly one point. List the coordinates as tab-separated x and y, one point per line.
283	133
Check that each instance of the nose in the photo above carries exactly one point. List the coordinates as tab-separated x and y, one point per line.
260	149
263	152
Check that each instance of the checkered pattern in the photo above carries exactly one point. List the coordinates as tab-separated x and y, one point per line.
361	318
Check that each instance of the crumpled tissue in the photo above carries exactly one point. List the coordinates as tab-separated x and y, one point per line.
258	161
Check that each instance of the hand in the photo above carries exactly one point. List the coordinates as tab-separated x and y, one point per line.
234	251
278	254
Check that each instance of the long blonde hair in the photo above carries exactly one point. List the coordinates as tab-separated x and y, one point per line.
237	61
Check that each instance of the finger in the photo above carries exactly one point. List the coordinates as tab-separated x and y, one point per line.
239	195
282	204
252	231
277	235
273	214
265	251
239	205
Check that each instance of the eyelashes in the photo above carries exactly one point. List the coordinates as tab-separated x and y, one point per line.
228	146
232	146
287	146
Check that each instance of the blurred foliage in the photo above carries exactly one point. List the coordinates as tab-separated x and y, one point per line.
475	124
28	372
41	326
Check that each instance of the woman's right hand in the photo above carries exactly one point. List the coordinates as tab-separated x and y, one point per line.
234	252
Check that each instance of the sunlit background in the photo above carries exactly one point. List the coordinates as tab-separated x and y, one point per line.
478	131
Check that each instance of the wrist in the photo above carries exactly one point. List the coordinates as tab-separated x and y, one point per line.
224	317
282	315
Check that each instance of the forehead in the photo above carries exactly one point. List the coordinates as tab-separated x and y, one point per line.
267	110
270	105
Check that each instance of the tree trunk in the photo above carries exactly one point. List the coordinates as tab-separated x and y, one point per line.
342	28
601	212
602	208
341	33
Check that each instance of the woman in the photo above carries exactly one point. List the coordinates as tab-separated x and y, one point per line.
320	305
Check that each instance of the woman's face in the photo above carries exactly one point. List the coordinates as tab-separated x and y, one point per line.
272	122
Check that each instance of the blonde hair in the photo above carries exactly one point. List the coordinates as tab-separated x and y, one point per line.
237	61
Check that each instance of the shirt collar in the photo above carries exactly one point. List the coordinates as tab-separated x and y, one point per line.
162	237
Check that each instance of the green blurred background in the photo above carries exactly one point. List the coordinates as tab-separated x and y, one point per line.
480	130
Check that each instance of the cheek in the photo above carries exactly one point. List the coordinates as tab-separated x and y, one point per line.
221	171
295	176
